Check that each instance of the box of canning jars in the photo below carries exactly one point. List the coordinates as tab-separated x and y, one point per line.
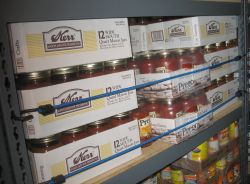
193	32
38	46
177	112
77	114
61	158
221	90
138	38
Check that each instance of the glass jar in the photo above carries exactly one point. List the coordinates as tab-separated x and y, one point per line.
98	127
115	66
91	70
189	104
134	64
147	65
144	123
221	81
209	49
45	144
33	80
66	74
220	46
230	44
212	86
74	134
184	60
229	77
166	62
120	119
200	98
171	108
196	54
153	107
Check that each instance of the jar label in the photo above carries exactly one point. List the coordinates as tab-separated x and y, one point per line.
145	127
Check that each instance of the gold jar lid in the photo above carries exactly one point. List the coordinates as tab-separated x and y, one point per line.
181	51
64	70
99	122
34	75
170	101
121	115
116	62
91	66
220	44
46	140
152	100
209	46
75	130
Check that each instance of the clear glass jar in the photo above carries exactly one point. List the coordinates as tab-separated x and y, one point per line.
33	80
147	65
229	77
98	127
134	64
74	134
196	54
153	107
62	75
166	62
120	119
45	144
115	66
91	70
209	49
184	60
220	46
171	108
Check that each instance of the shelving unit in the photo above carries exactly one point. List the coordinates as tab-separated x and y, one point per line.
14	163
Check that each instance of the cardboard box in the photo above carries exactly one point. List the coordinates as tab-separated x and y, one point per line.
160	125
193	32
219	95
83	113
220	57
156	36
79	154
40	46
138	36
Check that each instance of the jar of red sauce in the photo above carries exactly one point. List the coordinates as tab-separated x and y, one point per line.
220	46
196	54
144	123
33	80
184	60
229	77
221	81
114	66
66	74
147	64
91	70
120	119
74	134
98	127
212	86
45	144
189	104
134	64
229	44
209	49
166	62
153	107
171	108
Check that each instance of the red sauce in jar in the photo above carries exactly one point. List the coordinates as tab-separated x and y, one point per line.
66	74
166	62
220	46
98	127
134	64
184	60
121	119
115	66
189	104
171	108
229	77
91	70
209	49
221	81
196	54
212	86
147	65
45	145
33	80
144	123
153	107
74	134
230	44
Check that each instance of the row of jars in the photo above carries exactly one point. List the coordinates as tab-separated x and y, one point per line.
149	20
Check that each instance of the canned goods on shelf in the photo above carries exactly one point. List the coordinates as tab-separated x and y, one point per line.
33	80
224	137
171	108
98	126
45	144
120	119
66	74
153	107
91	70
213	144
74	134
200	153
177	175
166	62
211	171
114	66
147	65
166	175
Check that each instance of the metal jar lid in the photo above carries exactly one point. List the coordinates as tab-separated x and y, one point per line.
99	122
75	130
220	44
121	115
117	62
151	100
170	101
65	70
34	75
164	53
46	140
181	51
147	55
209	46
91	66
194	49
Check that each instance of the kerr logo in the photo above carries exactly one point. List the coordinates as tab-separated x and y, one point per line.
177	30
213	27
62	38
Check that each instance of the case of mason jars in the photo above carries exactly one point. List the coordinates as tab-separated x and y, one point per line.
175	87
76	115
38	46
220	57
192	32
222	93
138	36
81	153
161	125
